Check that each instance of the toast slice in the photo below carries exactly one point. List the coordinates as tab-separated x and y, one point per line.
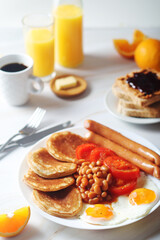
128	108
122	89
130	104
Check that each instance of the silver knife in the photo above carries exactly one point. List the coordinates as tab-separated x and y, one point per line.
25	141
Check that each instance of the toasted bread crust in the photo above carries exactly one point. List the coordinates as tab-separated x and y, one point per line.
128	108
142	113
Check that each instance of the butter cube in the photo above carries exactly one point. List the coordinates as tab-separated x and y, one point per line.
65	83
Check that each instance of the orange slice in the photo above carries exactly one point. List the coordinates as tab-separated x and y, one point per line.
13	223
126	49
138	36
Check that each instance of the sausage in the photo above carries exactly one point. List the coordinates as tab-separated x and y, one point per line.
144	164
122	140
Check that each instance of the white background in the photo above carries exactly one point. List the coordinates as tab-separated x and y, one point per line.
97	13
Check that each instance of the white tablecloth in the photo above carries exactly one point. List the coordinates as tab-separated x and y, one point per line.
100	68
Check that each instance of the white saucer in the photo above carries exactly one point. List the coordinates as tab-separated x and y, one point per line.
111	105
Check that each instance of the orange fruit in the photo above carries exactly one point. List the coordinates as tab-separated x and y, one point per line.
126	49
13	223
147	54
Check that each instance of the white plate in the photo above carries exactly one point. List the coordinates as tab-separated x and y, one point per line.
76	222
111	105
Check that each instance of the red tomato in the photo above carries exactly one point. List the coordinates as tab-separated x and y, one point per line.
121	168
83	151
100	153
121	187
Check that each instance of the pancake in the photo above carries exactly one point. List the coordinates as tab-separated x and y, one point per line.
46	185
64	203
42	163
62	145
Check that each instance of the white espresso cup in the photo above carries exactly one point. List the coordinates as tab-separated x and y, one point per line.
16	79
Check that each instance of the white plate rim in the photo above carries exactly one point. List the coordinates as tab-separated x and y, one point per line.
111	98
70	222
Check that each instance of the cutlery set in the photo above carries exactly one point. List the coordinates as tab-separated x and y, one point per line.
28	131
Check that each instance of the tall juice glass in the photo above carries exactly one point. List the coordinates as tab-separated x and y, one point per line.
39	43
68	32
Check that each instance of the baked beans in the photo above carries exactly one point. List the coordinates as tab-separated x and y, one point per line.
93	180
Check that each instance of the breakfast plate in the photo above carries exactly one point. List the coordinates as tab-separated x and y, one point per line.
76	222
111	105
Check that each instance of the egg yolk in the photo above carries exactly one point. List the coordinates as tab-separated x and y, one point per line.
142	196
99	211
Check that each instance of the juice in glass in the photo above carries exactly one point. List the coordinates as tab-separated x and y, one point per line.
40	46
68	35
39	43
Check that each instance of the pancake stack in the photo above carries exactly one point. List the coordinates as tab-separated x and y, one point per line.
50	175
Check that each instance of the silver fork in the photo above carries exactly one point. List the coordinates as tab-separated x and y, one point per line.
30	127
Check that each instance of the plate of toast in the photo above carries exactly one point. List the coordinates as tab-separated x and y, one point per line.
46	180
135	97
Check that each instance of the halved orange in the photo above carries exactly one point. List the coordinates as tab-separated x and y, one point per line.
126	49
13	223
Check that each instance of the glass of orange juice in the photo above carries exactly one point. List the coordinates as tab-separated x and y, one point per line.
39	43
68	15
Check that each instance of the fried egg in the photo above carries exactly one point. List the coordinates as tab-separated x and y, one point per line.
138	204
100	214
140	201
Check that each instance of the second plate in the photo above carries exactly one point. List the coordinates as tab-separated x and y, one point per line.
111	105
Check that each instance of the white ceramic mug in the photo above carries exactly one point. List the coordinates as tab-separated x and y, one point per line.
15	87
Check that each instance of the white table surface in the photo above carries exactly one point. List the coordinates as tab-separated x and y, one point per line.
100	68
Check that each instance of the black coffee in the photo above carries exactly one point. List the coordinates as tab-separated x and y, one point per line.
13	67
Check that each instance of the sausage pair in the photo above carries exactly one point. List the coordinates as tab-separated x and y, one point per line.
139	155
